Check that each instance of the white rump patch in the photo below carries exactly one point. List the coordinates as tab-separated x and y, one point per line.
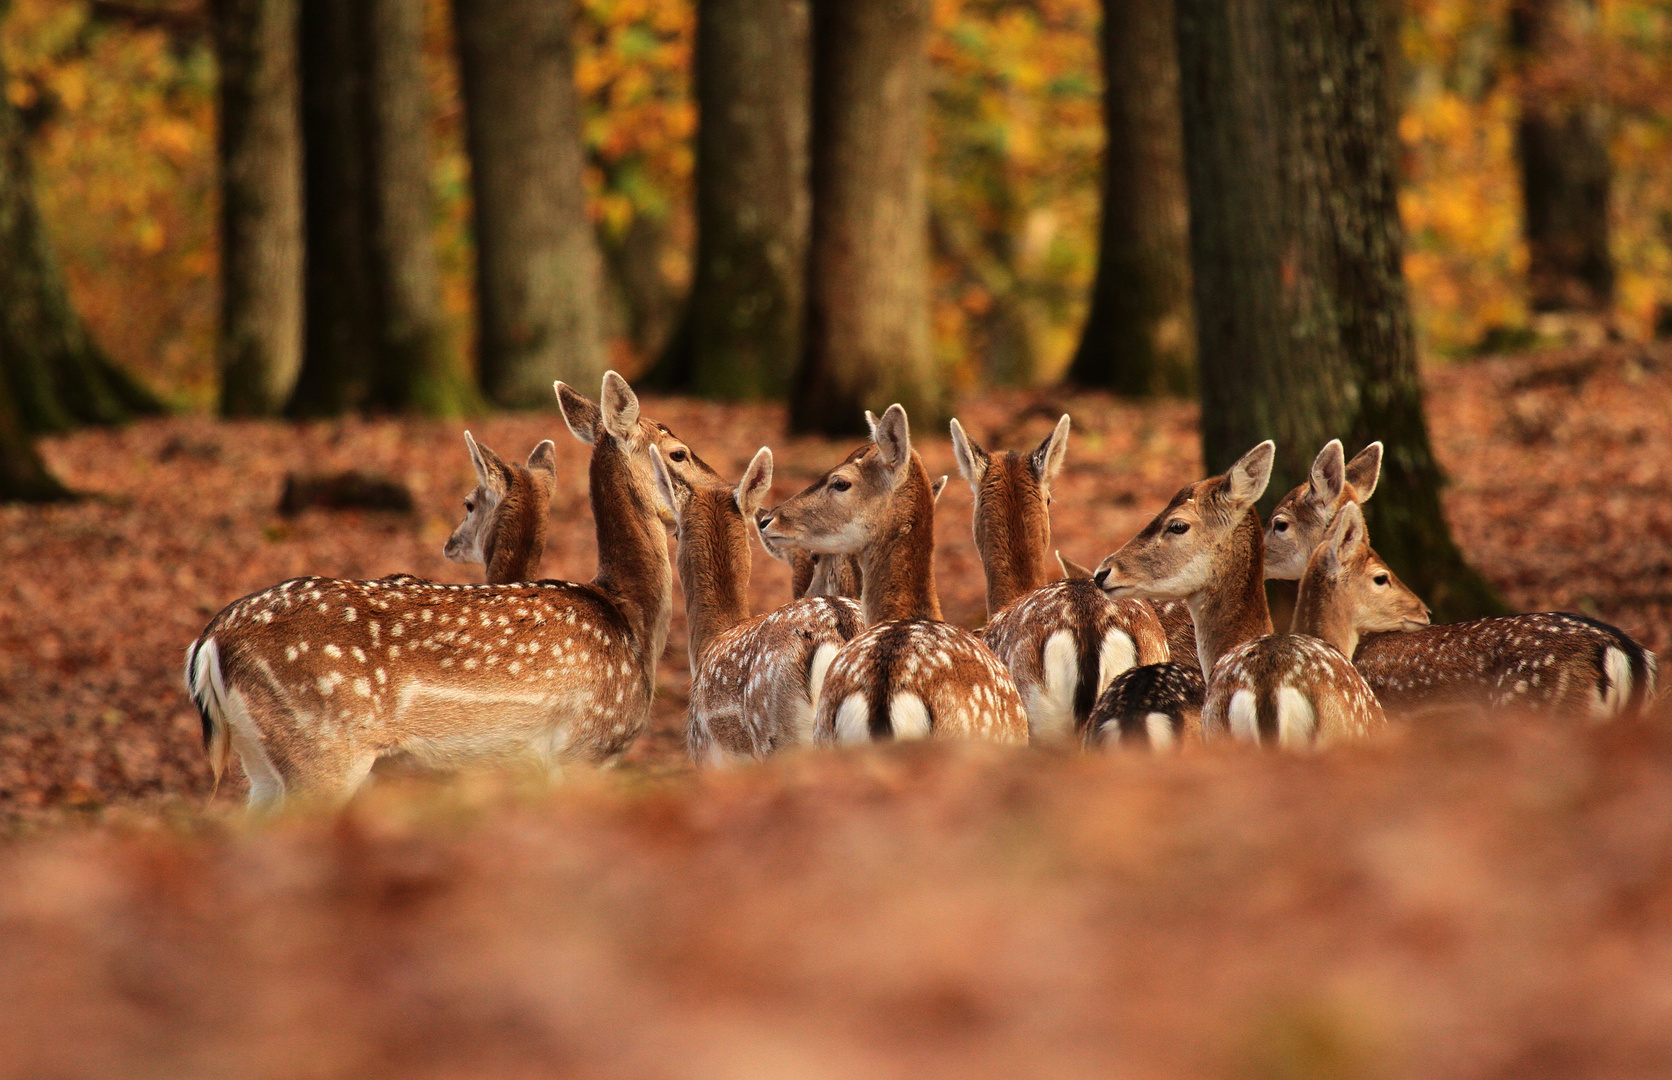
1296	719
908	716
1115	655
853	720
1616	666
1243	716
816	669
1160	728
1051	712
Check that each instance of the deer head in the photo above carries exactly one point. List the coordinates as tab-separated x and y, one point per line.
584	419
1298	522
504	526
1012	517
1347	590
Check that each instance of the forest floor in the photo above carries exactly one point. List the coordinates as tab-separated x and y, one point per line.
1488	897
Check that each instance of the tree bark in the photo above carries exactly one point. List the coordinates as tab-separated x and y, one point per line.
867	341
23	475
340	337
1561	141
1139	339
538	278
58	378
1303	324
742	336
261	204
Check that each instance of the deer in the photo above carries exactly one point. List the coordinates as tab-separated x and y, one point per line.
1063	641
313	680
504	526
1547	662
754	680
1207	548
823	575
909	675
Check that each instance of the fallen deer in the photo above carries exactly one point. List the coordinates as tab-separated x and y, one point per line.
313	680
1063	641
909	675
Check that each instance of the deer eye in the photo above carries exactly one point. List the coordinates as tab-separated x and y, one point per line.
469	507
1280	526
678	455
1380	579
839	484
1178	528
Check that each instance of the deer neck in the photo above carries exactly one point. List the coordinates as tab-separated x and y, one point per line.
518	540
633	567
714	569
898	567
1011	559
1321	612
1233	609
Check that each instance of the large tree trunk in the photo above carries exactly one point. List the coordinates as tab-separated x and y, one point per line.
23	476
742	335
261	204
1303	325
1561	140
1139	339
538	277
340	336
867	341
58	378
414	370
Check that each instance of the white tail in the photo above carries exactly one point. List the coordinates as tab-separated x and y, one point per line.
313	680
504	526
909	675
753	680
1062	641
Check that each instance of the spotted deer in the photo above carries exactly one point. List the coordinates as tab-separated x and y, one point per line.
504	526
314	680
1063	641
754	680
824	575
909	675
1548	662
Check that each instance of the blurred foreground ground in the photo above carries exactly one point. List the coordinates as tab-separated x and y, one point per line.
1488	897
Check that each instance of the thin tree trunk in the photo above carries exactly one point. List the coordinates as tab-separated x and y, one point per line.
1561	140
414	370
538	280
1304	329
1139	339
261	204
743	337
340	336
58	378
867	341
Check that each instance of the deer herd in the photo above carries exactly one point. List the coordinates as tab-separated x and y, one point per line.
1169	640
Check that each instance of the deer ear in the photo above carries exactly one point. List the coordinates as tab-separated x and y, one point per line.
542	463
1329	472
972	459
756	482
871	422
1365	469
1047	460
490	470
893	439
937	487
579	412
1247	479
1347	535
664	481
1072	570
619	405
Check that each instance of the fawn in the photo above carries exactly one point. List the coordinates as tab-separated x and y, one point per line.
313	680
1207	548
753	680
910	675
1063	641
812	574
504	526
1553	661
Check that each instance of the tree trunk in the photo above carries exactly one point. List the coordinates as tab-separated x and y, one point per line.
867	341
1561	141
414	370
538	278
58	378
1303	325
261	204
23	476
340	336
1139	339
743	336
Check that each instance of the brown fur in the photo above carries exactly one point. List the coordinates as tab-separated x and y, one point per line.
505	516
